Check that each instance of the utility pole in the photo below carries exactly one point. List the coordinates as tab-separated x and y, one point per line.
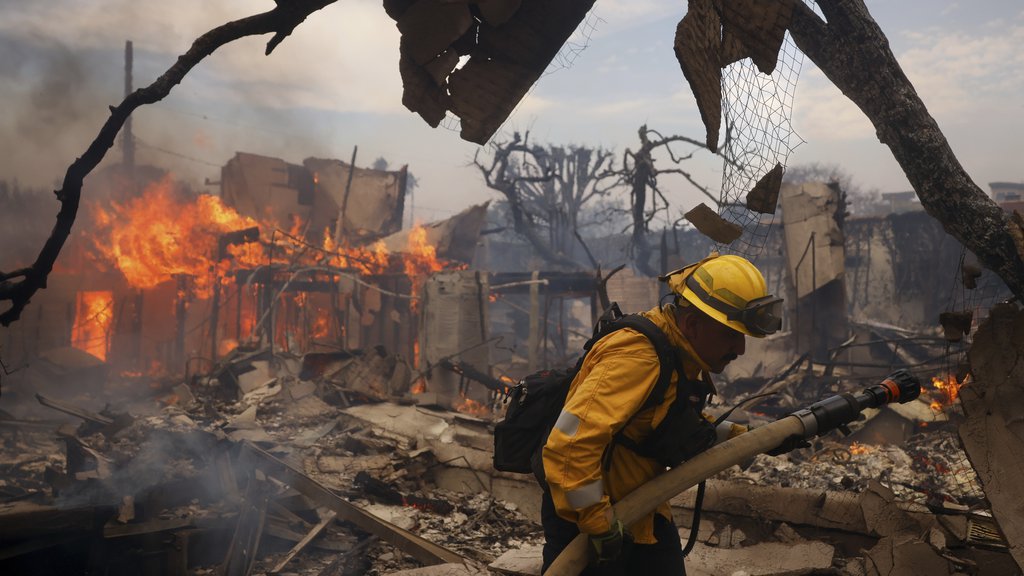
127	140
128	165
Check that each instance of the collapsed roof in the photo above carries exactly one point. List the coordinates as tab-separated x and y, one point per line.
506	45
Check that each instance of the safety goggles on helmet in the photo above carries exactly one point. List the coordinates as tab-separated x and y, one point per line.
761	316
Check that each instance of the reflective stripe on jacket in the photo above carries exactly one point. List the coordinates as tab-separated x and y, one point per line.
617	375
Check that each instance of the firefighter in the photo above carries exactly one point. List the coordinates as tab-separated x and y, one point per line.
717	303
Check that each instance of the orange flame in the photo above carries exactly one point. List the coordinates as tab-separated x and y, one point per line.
161	234
419	261
947	389
94	314
371	259
421	256
225	346
857	448
166	233
470	406
321	324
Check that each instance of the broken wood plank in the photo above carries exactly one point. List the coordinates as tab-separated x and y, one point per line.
226	474
290	518
278	529
115	530
23	520
523	561
423	550
241	556
325	519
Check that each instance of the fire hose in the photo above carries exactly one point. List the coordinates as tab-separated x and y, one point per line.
832	413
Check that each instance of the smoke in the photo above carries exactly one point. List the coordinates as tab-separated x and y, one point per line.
54	101
161	458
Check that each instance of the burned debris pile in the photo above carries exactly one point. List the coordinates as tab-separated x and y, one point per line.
329	464
274	477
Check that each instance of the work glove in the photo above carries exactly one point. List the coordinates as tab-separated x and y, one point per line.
608	545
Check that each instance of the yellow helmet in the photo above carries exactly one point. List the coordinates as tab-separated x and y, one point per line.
732	291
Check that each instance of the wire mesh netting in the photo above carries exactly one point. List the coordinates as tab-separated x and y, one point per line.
756	111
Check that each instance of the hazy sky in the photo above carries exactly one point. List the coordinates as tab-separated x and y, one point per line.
334	84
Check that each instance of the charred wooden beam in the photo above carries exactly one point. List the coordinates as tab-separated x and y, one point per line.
325	520
25	520
241	556
74	411
466	370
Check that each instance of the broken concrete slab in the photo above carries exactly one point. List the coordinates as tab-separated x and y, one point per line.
341	464
467	469
807	210
400	516
764	559
525	561
404	424
905	555
882	516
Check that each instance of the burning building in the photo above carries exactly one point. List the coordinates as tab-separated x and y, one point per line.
296	257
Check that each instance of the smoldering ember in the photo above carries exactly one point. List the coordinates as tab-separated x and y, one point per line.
280	374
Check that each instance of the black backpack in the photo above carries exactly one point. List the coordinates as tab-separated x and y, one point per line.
535	403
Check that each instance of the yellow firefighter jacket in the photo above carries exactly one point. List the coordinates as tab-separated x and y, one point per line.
617	375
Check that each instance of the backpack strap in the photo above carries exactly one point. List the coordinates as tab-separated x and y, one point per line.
668	358
684	419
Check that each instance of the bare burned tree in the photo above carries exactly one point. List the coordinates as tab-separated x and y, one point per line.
19	286
546	188
640	174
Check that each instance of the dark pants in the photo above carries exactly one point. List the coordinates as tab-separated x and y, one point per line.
662	559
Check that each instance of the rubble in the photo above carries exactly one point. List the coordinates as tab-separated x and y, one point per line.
284	477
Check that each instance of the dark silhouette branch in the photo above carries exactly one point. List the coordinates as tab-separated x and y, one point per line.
280	21
639	173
